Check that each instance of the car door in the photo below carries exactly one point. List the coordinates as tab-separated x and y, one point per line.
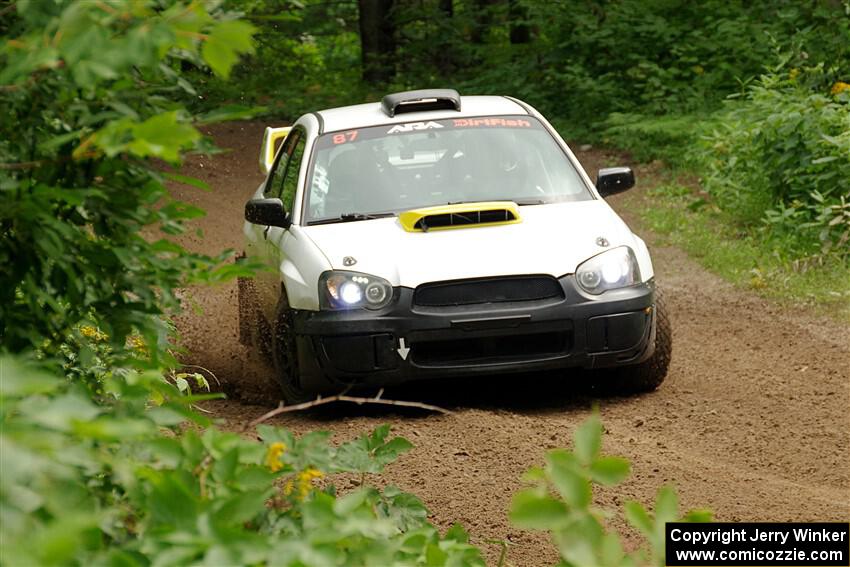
282	184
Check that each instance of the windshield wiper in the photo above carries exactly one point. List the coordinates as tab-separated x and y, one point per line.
350	217
517	201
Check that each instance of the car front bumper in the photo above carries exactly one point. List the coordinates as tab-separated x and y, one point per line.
403	342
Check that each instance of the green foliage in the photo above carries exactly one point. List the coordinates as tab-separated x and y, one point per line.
87	91
684	218
98	483
775	160
226	40
670	137
781	156
306	57
577	64
561	502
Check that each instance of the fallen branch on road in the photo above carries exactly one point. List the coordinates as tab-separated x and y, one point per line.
345	398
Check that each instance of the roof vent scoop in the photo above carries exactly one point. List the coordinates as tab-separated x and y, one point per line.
417	101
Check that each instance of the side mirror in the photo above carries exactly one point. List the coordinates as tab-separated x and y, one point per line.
613	180
268	212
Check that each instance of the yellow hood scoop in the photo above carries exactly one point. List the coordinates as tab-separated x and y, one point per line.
461	215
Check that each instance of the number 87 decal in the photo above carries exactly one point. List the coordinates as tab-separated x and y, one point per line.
344	137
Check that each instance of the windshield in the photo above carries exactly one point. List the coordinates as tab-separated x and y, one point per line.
393	168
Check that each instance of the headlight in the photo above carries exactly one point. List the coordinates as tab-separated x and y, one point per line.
352	290
612	269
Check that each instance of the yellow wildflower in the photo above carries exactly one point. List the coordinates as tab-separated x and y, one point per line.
273	454
840	87
305	481
136	343
300	486
307	475
698	69
793	73
93	333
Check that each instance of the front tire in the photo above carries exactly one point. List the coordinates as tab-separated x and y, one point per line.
285	357
648	375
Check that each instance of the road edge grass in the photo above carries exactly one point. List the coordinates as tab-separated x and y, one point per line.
680	217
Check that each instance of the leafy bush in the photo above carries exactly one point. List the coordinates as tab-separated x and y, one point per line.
307	57
561	503
781	156
86	483
87	91
670	137
775	160
680	217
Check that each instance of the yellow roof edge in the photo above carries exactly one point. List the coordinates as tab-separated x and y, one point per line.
408	219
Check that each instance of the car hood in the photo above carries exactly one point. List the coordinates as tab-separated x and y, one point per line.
551	239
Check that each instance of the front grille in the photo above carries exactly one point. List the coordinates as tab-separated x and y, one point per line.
484	350
491	290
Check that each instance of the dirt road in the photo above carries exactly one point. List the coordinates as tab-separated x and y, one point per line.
752	422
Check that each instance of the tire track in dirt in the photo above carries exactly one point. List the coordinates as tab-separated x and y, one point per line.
752	421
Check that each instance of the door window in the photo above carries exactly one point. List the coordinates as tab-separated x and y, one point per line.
290	178
274	185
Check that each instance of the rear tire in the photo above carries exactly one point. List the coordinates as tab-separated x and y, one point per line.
649	374
285	357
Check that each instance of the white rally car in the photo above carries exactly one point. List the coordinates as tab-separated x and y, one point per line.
436	235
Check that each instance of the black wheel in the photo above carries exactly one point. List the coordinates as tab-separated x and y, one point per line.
649	374
254	330
285	357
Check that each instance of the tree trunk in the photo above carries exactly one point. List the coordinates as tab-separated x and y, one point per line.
377	40
444	58
482	19
518	21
